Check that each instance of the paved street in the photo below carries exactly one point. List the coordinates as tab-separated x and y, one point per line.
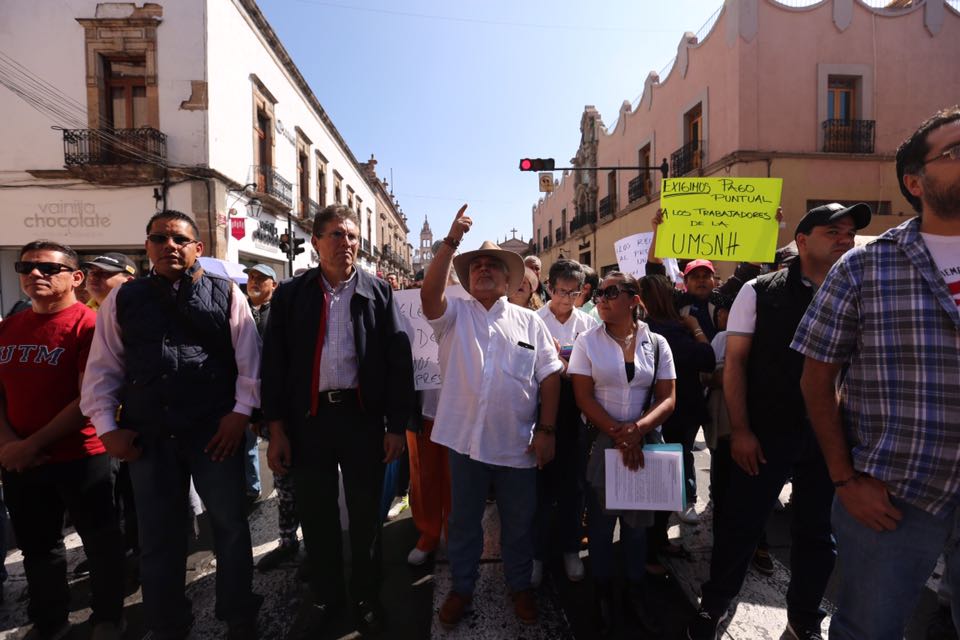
412	595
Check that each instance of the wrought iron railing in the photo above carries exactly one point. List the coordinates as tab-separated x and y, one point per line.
637	188
272	183
686	158
582	220
848	136
113	146
560	234
607	206
365	245
312	208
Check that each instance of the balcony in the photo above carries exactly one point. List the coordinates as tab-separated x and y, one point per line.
607	206
365	246
638	188
546	243
312	208
271	183
560	234
582	220
848	136
686	159
113	146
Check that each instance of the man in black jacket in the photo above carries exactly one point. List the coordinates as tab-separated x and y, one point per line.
338	390
771	438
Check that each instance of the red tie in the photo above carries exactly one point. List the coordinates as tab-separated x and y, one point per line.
321	336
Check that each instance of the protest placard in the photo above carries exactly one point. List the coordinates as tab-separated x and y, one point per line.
632	253
426	359
726	219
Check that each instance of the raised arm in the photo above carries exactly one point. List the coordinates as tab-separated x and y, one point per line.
435	280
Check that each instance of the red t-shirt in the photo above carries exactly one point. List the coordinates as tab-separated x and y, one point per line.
41	359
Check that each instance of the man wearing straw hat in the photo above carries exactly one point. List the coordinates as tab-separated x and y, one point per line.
497	361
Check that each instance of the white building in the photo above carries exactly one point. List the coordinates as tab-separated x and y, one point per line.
195	106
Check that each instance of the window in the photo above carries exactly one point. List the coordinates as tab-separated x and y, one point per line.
841	98
263	148
321	180
125	85
337	188
693	121
585	258
645	180
303	181
539	237
549	228
563	219
612	190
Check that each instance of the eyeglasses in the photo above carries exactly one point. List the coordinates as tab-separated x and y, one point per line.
953	153
338	236
560	293
162	238
613	292
45	268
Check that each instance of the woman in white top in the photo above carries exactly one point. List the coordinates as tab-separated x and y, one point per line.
614	368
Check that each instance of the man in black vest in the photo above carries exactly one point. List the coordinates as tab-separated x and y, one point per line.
771	438
337	392
180	350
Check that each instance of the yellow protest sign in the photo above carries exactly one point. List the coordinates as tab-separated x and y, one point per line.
731	219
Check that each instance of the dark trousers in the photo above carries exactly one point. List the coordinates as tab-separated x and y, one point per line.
559	491
161	482
126	506
340	435
743	515
721	462
684	433
37	499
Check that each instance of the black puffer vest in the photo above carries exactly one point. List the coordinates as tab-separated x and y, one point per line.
180	367
774	401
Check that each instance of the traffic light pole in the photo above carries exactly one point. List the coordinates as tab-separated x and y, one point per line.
292	244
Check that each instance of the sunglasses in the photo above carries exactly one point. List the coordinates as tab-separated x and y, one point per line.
179	240
613	292
45	268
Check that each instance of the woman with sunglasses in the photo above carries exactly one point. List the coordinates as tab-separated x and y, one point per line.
692	355
623	380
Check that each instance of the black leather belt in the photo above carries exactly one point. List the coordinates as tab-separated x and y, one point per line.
338	396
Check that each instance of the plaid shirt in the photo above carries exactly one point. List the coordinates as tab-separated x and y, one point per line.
886	312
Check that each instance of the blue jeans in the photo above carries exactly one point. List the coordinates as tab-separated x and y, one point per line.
516	491
251	463
161	481
884	573
633	540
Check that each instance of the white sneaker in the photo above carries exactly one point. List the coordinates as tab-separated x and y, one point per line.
536	576
573	565
398	507
417	557
689	515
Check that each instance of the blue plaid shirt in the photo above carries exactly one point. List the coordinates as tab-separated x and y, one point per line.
886	312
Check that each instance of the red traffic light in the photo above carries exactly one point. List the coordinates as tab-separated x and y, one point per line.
536	164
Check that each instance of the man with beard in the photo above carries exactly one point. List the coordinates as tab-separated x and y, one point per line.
770	435
886	326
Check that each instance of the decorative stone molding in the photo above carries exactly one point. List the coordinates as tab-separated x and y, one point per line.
198	97
683	58
743	20
933	15
842	14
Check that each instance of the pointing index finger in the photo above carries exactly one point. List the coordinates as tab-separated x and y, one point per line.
461	211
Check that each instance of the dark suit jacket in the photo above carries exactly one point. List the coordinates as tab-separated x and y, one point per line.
383	350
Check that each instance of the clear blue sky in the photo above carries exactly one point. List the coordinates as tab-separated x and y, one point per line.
450	95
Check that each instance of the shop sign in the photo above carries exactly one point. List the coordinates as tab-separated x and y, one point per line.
238	227
266	236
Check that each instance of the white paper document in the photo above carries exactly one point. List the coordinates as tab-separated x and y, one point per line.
658	486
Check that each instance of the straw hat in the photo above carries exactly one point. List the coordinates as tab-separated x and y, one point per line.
515	266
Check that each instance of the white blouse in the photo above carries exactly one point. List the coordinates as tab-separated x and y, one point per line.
597	355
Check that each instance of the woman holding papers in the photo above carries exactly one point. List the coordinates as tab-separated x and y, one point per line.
624	383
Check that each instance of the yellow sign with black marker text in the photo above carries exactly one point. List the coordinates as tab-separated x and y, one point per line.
726	219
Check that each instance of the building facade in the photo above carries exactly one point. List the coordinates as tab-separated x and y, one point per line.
393	255
818	95
194	106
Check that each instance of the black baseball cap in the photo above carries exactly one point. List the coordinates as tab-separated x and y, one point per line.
113	262
825	214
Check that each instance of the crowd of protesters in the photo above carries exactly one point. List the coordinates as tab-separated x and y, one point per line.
835	368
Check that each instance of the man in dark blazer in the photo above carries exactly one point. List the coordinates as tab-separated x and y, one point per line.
337	384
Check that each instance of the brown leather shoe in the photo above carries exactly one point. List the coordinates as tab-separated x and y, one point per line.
453	609
525	606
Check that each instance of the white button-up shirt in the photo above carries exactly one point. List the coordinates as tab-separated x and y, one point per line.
492	363
566	333
597	355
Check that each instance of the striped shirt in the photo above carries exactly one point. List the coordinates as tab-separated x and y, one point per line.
339	368
886	312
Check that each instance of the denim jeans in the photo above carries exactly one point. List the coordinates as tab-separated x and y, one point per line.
37	498
251	463
745	508
161	481
516	491
633	541
882	574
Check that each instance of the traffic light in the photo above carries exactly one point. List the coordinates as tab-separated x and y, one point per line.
536	164
285	243
296	245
